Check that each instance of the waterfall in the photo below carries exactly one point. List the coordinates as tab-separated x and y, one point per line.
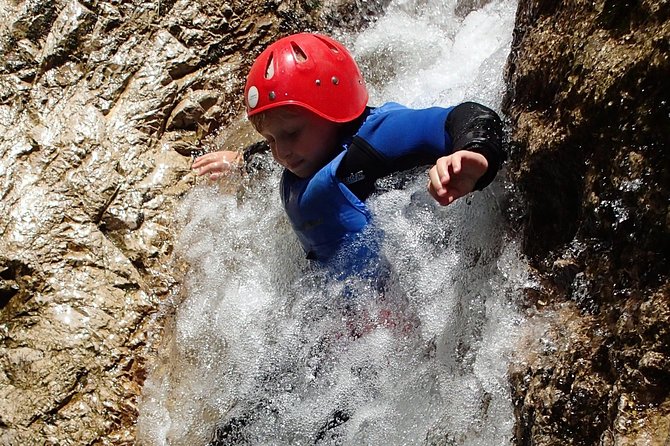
266	349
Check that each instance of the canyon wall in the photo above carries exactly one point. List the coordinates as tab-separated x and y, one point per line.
587	106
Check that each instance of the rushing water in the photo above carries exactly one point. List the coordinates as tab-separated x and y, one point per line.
266	350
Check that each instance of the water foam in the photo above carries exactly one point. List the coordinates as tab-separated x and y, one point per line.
265	349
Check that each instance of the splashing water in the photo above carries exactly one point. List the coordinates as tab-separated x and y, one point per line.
266	349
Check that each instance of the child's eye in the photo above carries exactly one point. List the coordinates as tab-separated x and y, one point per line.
292	134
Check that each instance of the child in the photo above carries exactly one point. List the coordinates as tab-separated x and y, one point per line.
306	96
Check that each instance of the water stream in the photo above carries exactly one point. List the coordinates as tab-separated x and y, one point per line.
267	350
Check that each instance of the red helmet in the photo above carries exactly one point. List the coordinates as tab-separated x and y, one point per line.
309	70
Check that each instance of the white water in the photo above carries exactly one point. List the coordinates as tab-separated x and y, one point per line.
276	350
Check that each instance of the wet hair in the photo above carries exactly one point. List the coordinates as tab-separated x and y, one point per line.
257	121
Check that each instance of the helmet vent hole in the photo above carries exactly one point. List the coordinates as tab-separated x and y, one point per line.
300	55
270	68
330	46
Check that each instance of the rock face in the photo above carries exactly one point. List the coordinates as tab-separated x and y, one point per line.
589	112
99	103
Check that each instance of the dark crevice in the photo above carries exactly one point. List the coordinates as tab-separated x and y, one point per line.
11	279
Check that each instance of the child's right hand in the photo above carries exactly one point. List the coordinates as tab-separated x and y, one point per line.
217	163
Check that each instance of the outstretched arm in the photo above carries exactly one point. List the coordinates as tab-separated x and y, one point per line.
401	139
216	164
477	137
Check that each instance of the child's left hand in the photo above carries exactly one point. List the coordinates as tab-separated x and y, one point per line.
455	175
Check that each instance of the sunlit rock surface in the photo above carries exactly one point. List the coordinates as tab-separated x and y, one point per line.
588	106
99	103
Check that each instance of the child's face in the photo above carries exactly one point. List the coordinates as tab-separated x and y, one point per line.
301	141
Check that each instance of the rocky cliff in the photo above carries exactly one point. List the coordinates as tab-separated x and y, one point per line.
588	110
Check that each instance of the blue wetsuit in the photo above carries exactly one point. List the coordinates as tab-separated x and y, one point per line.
327	210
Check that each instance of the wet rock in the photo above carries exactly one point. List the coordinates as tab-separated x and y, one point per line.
587	106
74	21
196	109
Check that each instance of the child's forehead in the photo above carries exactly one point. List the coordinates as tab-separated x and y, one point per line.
284	114
287	112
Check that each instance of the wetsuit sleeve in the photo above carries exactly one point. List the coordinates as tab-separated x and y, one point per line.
395	140
407	138
363	165
478	129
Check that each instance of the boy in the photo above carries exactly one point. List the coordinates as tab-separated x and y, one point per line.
306	96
